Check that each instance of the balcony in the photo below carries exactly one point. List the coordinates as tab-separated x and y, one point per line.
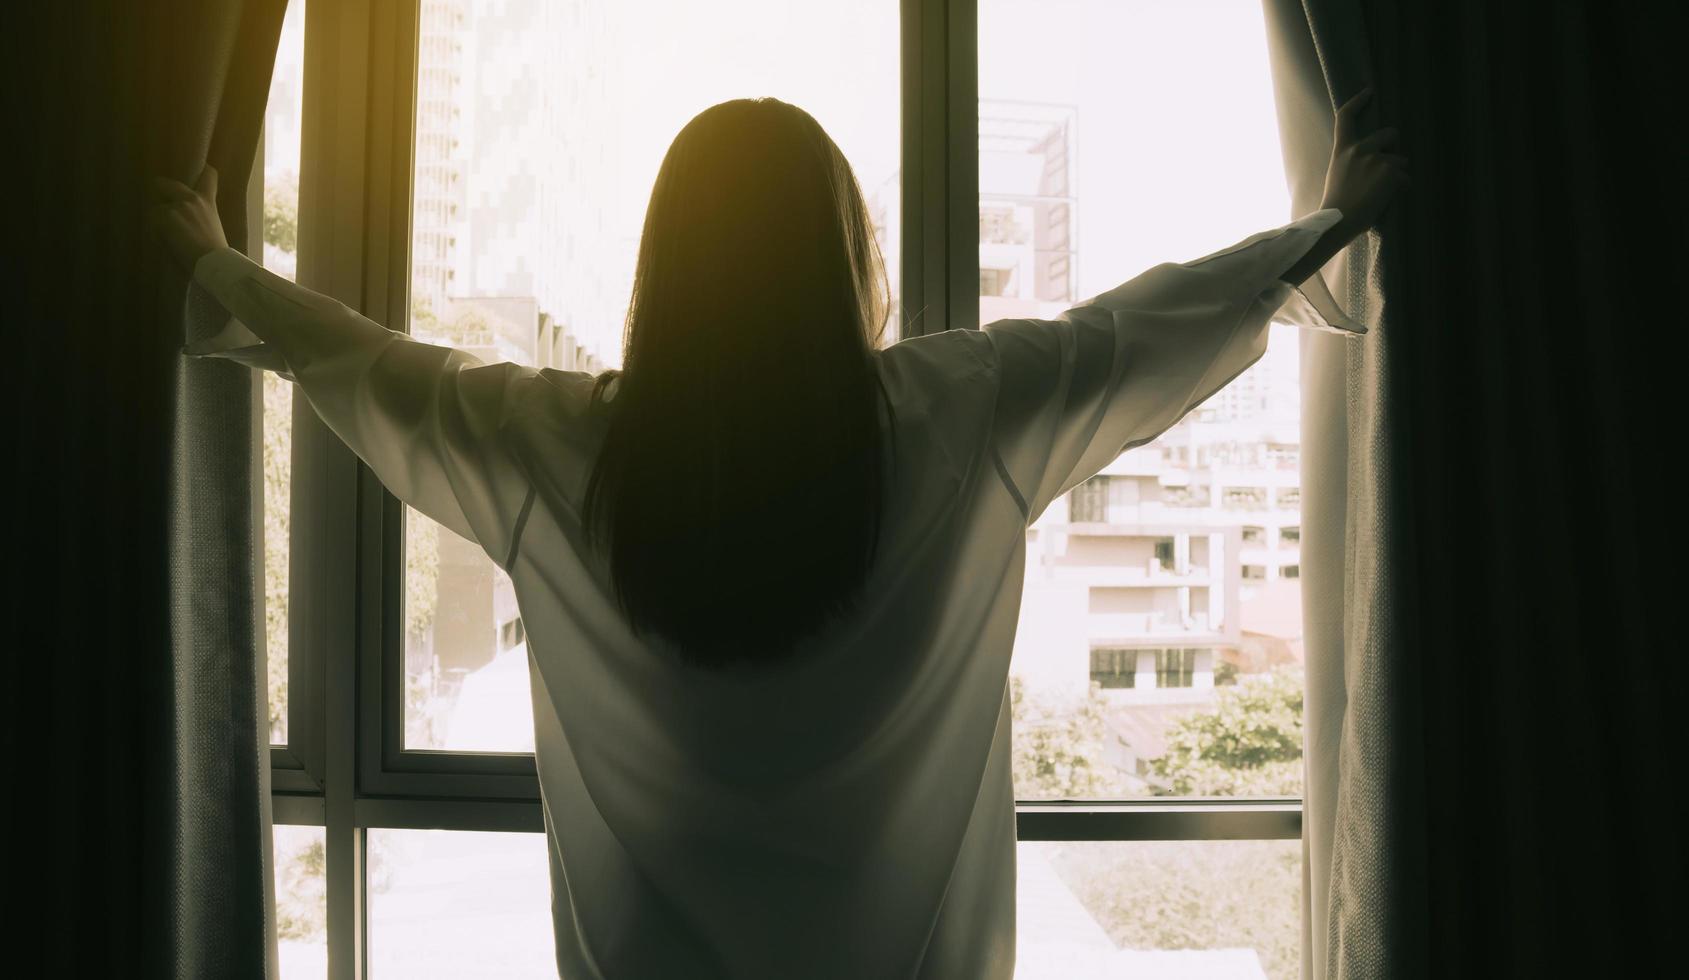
1170	628
1130	576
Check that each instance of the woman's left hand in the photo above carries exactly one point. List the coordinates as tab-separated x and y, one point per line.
186	217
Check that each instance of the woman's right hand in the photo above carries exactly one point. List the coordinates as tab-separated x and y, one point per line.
186	217
1362	177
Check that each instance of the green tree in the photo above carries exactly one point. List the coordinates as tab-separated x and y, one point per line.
1059	746
278	469
301	891
422	583
1249	745
423	318
471	328
281	211
422	571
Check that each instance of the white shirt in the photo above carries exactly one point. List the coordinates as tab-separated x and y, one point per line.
848	813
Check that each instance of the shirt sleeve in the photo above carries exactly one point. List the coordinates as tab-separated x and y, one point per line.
1116	371
428	420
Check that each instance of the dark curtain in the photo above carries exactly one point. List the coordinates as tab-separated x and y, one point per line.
137	816
1501	727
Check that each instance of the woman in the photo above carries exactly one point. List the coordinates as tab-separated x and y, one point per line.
770	574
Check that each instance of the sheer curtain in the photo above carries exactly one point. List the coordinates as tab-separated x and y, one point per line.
1487	591
1351	730
137	821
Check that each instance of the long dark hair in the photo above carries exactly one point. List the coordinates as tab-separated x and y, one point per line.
739	488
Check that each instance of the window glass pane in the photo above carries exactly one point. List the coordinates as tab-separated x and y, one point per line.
281	237
539	131
1210	909
455	904
452	905
301	902
1161	612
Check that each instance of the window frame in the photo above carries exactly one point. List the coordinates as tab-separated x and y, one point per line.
345	768
289	772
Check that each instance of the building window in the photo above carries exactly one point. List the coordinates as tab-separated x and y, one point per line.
1088	502
995	282
1290	535
1245	497
997	226
1254	572
1292	571
1164	554
1175	668
1113	667
1254	535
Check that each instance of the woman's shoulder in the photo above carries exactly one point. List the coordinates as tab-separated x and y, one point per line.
568	395
942	389
951	359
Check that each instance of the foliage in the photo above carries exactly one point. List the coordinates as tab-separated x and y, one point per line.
281	211
1059	747
278	442
1249	745
1179	894
422	571
471	328
301	890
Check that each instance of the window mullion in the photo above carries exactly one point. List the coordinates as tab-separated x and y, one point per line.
961	190
334	170
923	43
940	165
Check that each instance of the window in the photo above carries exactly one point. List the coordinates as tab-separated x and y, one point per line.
1175	668
299	860
1093	152
278	179
1088	503
511	634
1245	497
527	191
409	825
1290	535
297	855
1111	908
1114	668
449	904
995	282
1291	571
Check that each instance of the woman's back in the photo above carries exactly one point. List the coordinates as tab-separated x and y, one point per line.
848	811
746	819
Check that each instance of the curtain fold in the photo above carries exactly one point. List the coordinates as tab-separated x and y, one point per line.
224	902
1487	588
132	630
1353	732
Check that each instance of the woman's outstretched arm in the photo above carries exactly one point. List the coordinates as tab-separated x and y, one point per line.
427	419
1116	371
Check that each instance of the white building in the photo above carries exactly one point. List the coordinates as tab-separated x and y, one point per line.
1174	569
1027	257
